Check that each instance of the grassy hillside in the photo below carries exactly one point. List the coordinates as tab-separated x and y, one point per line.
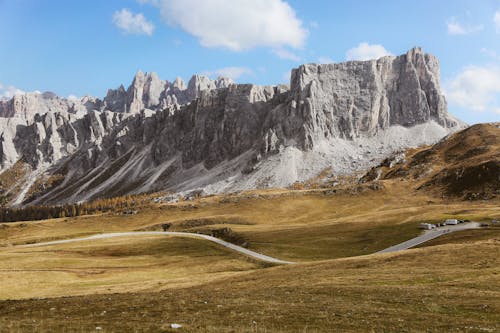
122	264
436	289
295	225
464	165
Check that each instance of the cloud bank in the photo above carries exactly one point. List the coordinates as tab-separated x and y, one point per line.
476	88
236	24
7	92
496	21
286	55
131	23
234	73
456	28
365	51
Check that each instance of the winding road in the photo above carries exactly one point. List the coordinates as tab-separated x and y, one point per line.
430	234
427	236
228	245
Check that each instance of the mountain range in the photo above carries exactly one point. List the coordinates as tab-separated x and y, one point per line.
216	135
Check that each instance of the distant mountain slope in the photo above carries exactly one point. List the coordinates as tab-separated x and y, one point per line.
466	164
221	136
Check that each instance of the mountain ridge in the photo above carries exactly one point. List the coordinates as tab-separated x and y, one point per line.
226	136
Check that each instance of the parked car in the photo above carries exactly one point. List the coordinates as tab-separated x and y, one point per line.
426	226
451	222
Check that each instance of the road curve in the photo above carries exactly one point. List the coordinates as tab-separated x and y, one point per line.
430	234
228	245
427	236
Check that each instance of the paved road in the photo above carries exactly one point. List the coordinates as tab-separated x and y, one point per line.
228	245
430	234
427	236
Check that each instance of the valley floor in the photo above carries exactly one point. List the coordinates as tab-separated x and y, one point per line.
145	284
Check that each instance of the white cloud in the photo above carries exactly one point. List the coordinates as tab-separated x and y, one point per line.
286	77
456	28
236	24
496	21
365	51
286	54
491	53
230	72
476	88
7	92
314	24
132	23
325	60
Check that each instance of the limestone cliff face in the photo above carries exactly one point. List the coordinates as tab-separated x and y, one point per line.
364	97
222	136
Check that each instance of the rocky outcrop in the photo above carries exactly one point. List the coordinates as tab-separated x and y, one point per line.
27	105
147	91
359	98
223	136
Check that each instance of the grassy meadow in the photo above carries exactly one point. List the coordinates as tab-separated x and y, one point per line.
144	284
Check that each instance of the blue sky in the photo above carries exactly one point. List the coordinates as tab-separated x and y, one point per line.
84	47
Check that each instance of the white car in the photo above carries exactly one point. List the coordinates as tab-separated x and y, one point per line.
451	222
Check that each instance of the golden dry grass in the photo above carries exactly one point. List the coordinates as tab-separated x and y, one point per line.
123	264
437	289
466	236
295	225
464	165
142	285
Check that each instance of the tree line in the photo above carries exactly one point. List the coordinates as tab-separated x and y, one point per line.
32	213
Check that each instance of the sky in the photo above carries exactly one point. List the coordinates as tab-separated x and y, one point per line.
76	48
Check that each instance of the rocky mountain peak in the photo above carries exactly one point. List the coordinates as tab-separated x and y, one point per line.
179	84
221	136
49	95
26	105
197	84
148	91
223	82
365	97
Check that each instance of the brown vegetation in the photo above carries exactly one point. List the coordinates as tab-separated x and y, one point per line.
11	182
465	165
34	213
437	289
